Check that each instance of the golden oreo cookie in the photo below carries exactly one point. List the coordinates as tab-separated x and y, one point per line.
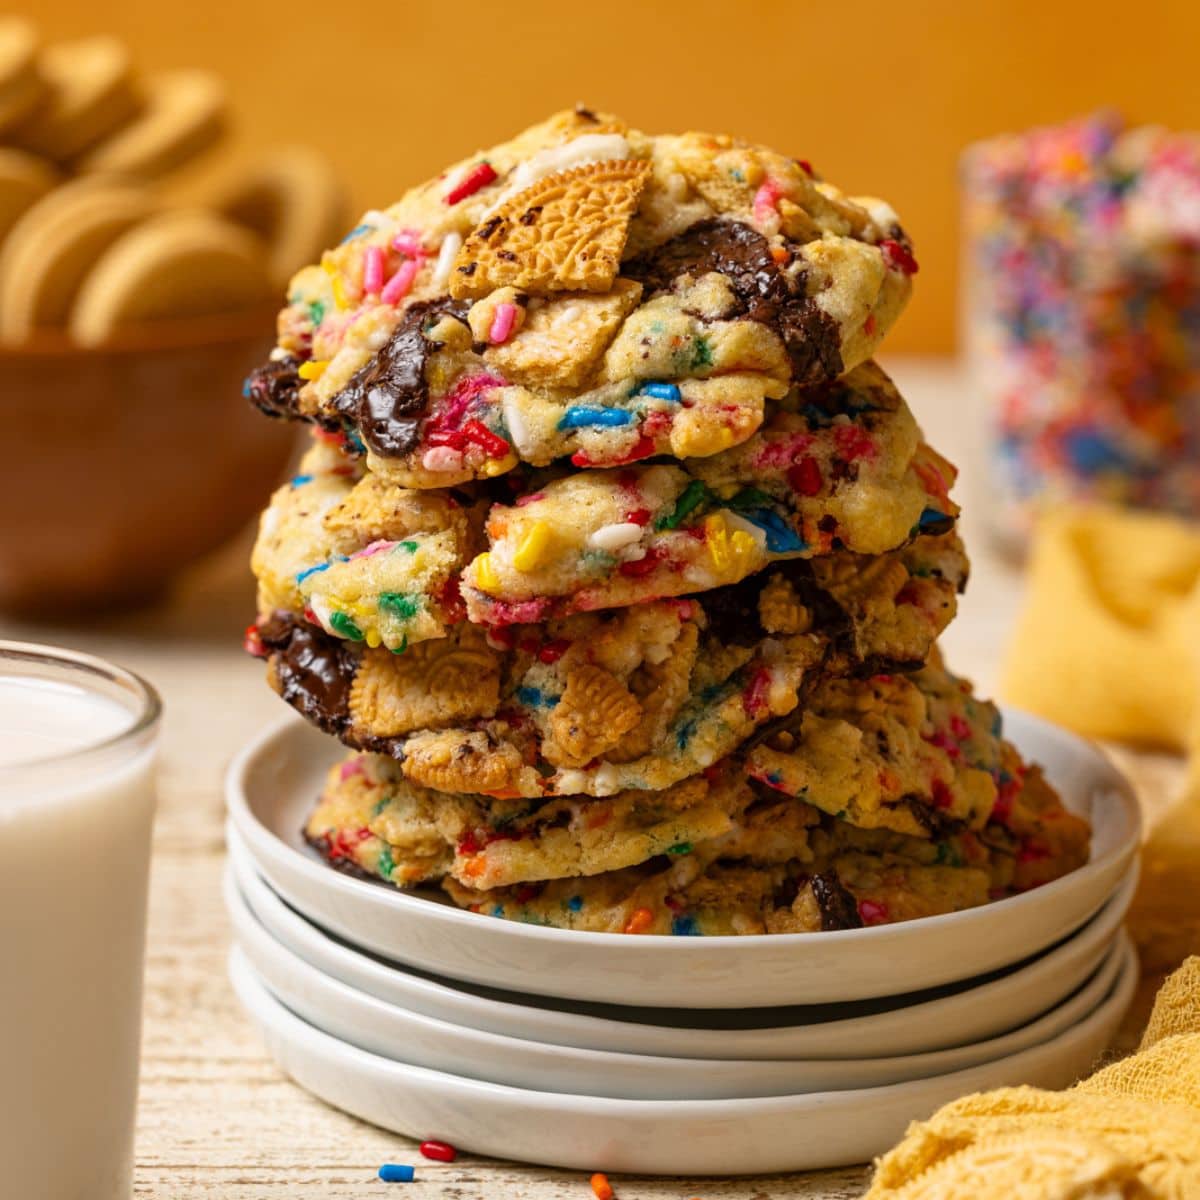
21	85
292	199
24	180
90	94
183	113
51	249
181	264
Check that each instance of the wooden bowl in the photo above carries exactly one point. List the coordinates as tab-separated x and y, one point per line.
127	462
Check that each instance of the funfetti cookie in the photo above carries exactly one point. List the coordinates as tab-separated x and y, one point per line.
90	93
372	818
179	264
589	290
604	539
692	897
629	697
22	88
24	180
292	199
182	113
55	245
783	869
366	562
920	755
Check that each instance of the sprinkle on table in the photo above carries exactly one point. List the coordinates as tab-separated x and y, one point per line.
396	1173
601	1187
439	1151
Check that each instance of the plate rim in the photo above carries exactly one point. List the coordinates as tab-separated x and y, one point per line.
241	859
1106	975
1117	999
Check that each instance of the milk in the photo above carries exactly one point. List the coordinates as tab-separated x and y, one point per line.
75	822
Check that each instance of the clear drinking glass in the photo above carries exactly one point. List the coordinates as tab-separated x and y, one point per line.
77	749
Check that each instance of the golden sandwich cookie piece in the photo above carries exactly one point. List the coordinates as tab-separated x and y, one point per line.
180	264
90	94
24	180
53	247
183	114
21	86
292	198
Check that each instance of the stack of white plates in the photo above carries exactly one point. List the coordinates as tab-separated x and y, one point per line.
657	1054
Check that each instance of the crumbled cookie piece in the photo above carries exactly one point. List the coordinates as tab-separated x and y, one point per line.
431	685
565	233
591	716
562	338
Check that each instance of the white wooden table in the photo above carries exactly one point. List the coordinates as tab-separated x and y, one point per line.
217	1119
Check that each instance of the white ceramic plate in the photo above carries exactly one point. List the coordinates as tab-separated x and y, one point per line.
668	1137
272	784
407	1037
969	1014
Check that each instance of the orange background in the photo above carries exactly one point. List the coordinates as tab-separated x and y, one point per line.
880	97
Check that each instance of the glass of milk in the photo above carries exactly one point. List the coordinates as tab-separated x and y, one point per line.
77	746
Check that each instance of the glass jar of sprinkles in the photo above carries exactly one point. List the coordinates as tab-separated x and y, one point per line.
1081	316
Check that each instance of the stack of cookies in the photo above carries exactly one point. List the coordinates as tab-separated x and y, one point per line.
618	563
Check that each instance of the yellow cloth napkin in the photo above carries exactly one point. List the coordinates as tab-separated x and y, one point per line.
1109	644
1129	1132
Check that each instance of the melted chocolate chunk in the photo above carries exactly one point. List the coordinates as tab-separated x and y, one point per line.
765	294
936	822
274	388
386	400
837	906
732	610
313	670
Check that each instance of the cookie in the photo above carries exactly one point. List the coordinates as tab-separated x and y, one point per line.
54	247
781	870
598	703
605	539
292	199
24	180
182	113
22	88
367	563
590	271
369	815
90	94
689	898
180	264
518	403
689	677
756	861
918	755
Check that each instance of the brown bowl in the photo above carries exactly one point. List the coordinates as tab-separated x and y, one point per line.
127	462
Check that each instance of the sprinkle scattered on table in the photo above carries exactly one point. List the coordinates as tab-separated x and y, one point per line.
396	1173
601	1186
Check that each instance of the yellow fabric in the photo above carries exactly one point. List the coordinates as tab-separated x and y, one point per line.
1130	1131
1109	644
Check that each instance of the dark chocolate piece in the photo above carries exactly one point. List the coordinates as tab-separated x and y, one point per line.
765	294
274	388
313	671
837	906
387	399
